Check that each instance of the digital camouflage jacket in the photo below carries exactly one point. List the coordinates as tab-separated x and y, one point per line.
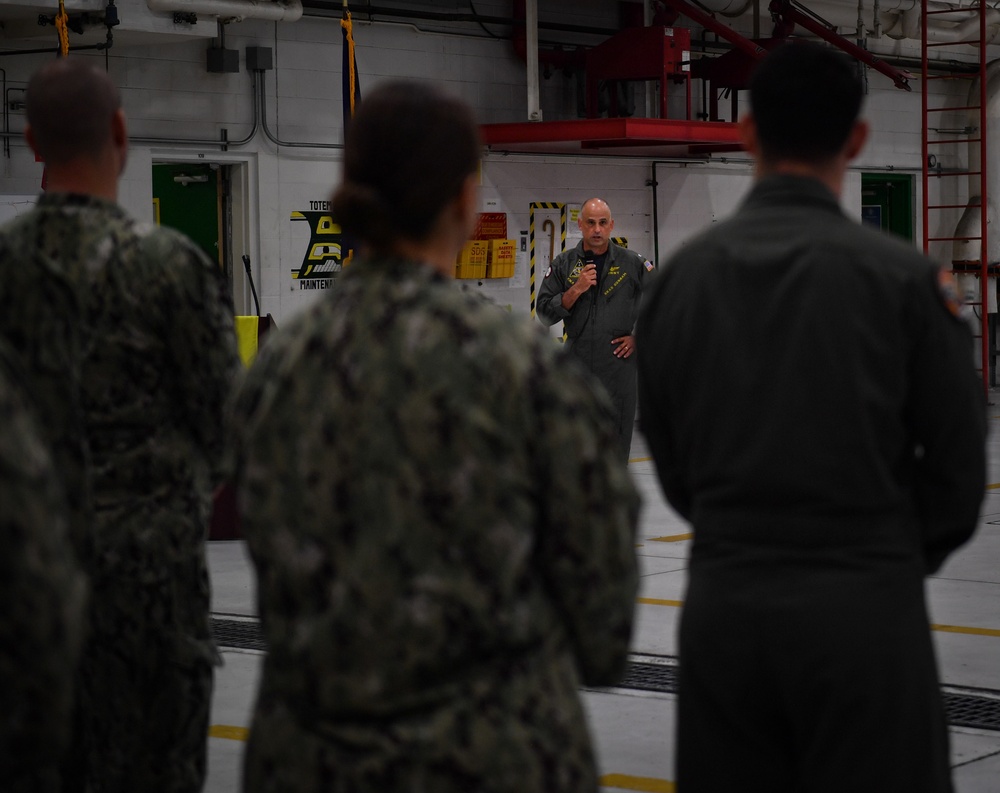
126	332
443	534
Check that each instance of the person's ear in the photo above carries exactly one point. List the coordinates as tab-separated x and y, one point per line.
119	136
857	139
467	203
29	136
748	134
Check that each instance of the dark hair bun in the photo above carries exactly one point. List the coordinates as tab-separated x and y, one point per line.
409	150
359	211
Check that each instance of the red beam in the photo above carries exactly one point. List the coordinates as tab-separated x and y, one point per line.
613	131
785	10
708	21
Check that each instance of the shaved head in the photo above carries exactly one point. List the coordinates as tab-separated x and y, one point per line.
70	108
596	224
597	205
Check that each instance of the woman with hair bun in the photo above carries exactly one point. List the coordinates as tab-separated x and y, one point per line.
442	528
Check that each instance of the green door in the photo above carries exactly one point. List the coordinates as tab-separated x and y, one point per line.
887	202
186	198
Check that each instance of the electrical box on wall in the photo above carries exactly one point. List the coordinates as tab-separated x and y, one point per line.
259	59
222	60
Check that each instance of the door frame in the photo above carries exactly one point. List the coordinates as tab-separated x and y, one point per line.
243	227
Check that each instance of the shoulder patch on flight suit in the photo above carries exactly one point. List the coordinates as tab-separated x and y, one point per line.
948	290
648	265
548	272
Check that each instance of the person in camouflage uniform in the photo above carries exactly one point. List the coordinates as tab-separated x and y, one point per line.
135	333
43	595
442	529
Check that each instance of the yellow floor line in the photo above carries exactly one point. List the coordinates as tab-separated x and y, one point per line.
994	486
673	538
641	460
619	781
228	732
963	629
657	602
641	783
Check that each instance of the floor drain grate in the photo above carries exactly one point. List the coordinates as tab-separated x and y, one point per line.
650	677
964	710
980	712
238	634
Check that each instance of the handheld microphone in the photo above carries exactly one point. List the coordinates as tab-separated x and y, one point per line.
588	258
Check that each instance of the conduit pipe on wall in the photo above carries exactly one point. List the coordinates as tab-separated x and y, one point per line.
223	143
205	142
271	10
260	101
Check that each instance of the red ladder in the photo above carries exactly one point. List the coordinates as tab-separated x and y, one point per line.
934	138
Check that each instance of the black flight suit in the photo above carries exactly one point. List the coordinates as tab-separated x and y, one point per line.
810	402
606	311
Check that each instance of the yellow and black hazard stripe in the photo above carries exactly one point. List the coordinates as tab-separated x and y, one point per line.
538	205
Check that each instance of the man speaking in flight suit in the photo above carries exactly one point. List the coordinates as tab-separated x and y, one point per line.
595	288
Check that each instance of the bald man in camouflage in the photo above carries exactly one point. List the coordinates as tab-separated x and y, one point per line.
127	335
42	592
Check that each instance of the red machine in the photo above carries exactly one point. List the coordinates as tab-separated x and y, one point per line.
644	53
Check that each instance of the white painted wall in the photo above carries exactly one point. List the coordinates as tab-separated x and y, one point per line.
168	94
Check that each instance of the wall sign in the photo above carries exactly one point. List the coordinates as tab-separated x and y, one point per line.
324	257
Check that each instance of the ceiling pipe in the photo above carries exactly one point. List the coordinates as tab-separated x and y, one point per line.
270	10
967	30
897	19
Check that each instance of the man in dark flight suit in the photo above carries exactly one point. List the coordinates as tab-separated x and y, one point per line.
807	391
595	288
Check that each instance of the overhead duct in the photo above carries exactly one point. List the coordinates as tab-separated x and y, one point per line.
899	20
960	27
966	30
270	10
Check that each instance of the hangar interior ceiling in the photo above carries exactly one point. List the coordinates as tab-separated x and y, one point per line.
609	47
564	26
566	29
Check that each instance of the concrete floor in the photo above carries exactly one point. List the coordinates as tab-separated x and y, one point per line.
634	729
